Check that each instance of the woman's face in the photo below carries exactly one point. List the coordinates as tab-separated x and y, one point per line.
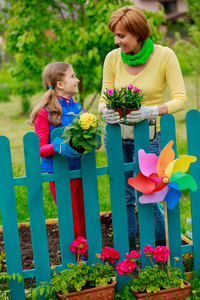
126	40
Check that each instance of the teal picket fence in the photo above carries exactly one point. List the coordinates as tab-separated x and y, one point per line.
89	173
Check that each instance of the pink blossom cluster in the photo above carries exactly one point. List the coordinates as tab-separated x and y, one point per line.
148	249
126	266
160	253
110	254
109	91
79	246
133	255
137	90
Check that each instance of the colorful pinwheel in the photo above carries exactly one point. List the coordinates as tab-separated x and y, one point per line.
163	178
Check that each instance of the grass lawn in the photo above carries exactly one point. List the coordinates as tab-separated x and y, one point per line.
13	125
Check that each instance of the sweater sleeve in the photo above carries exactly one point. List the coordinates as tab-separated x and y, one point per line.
108	79
175	83
42	129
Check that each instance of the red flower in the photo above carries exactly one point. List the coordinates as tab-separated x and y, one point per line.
148	250
110	254
125	267
160	253
79	245
133	255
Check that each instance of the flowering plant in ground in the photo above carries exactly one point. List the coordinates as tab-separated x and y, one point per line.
84	132
81	275
188	261
151	278
129	96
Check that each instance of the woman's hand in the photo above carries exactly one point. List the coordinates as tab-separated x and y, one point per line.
145	112
110	116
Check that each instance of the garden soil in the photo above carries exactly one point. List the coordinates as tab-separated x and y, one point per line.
54	245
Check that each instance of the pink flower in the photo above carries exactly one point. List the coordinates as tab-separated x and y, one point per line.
137	90
160	253
148	249
125	267
79	245
110	254
130	86
133	255
109	91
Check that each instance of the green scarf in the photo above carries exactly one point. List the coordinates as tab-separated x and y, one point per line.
141	57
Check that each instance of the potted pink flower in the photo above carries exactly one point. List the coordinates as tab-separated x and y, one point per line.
156	280
82	281
124	100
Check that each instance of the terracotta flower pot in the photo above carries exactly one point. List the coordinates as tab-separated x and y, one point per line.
106	292
120	110
189	275
128	110
173	293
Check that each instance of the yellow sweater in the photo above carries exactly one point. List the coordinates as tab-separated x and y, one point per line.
162	70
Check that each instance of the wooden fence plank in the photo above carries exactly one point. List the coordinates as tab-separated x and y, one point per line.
193	134
91	204
117	193
168	133
9	219
36	208
145	211
64	205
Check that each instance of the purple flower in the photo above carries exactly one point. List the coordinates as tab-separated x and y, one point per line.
137	90
109	91
130	86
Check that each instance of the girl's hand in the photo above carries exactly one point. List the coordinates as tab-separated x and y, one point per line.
64	148
145	112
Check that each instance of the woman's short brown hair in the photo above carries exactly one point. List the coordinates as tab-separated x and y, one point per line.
133	20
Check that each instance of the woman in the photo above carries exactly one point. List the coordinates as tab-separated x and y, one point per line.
150	67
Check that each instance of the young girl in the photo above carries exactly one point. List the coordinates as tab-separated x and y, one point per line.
50	113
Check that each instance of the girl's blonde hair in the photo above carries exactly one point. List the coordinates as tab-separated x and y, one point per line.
133	20
52	73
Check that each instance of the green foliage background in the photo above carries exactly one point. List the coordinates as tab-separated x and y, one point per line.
38	32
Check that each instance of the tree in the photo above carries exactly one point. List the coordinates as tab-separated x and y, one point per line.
189	50
39	32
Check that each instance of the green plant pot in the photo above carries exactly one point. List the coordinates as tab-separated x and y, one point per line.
173	293
96	293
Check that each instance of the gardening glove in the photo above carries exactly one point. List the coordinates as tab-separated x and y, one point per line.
64	149
145	112
110	116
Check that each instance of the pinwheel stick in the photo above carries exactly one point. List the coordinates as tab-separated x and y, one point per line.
166	230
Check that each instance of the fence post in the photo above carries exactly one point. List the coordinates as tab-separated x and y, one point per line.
193	141
9	219
145	211
36	208
64	204
117	193
168	133
91	205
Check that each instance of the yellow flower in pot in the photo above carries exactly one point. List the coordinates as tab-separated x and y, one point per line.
84	133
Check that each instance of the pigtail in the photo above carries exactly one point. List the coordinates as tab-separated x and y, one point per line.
52	73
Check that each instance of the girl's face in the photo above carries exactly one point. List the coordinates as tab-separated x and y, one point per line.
69	84
126	40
